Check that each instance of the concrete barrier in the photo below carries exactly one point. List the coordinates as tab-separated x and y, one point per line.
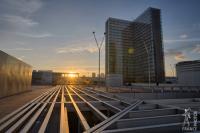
15	75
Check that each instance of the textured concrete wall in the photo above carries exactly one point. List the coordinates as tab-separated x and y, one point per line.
15	75
188	72
166	95
114	80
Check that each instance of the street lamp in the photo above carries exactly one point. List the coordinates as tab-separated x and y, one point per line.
148	54
173	73
99	50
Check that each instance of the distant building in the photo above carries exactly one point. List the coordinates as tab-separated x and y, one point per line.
15	75
102	75
93	75
59	78
188	72
128	44
42	77
170	80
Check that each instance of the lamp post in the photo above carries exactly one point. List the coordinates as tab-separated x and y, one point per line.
99	50
148	54
173	73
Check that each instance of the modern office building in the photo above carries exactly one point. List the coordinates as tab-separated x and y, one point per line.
134	49
188	72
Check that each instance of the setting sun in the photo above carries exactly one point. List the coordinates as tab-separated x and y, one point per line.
72	75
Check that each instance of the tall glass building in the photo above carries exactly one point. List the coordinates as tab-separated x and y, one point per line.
134	48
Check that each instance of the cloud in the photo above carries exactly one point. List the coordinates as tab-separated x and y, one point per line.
88	49
197	49
21	49
196	26
87	45
180	57
181	40
18	21
82	69
24	6
177	55
21	26
91	49
38	35
183	36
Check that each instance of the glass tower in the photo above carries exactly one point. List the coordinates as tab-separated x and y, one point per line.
133	48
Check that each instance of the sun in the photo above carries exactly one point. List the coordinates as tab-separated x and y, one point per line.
72	75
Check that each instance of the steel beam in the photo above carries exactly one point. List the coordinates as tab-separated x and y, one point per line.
151	113
95	110
47	117
147	121
37	114
78	112
115	109
101	126
141	116
13	119
107	97
23	107
29	113
64	126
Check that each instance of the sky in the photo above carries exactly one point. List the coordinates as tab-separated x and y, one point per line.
57	34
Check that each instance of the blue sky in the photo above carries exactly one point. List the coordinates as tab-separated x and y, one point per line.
57	34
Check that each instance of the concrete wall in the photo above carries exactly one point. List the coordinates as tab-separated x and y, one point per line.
188	72
114	80
167	95
15	75
189	77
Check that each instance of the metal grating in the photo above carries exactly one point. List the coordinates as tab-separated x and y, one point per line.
81	109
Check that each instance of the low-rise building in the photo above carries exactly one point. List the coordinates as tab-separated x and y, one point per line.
188	72
170	80
42	77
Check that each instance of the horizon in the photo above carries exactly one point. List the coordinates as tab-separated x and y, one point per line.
53	36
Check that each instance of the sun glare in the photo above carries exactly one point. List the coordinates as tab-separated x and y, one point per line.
71	75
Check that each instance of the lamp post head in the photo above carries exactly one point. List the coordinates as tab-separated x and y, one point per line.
93	32
104	33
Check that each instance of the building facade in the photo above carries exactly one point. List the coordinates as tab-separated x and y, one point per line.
188	72
42	77
93	75
15	75
134	49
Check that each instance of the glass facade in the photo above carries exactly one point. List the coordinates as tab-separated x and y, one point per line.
134	47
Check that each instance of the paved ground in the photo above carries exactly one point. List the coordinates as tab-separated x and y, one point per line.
129	95
9	104
119	89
